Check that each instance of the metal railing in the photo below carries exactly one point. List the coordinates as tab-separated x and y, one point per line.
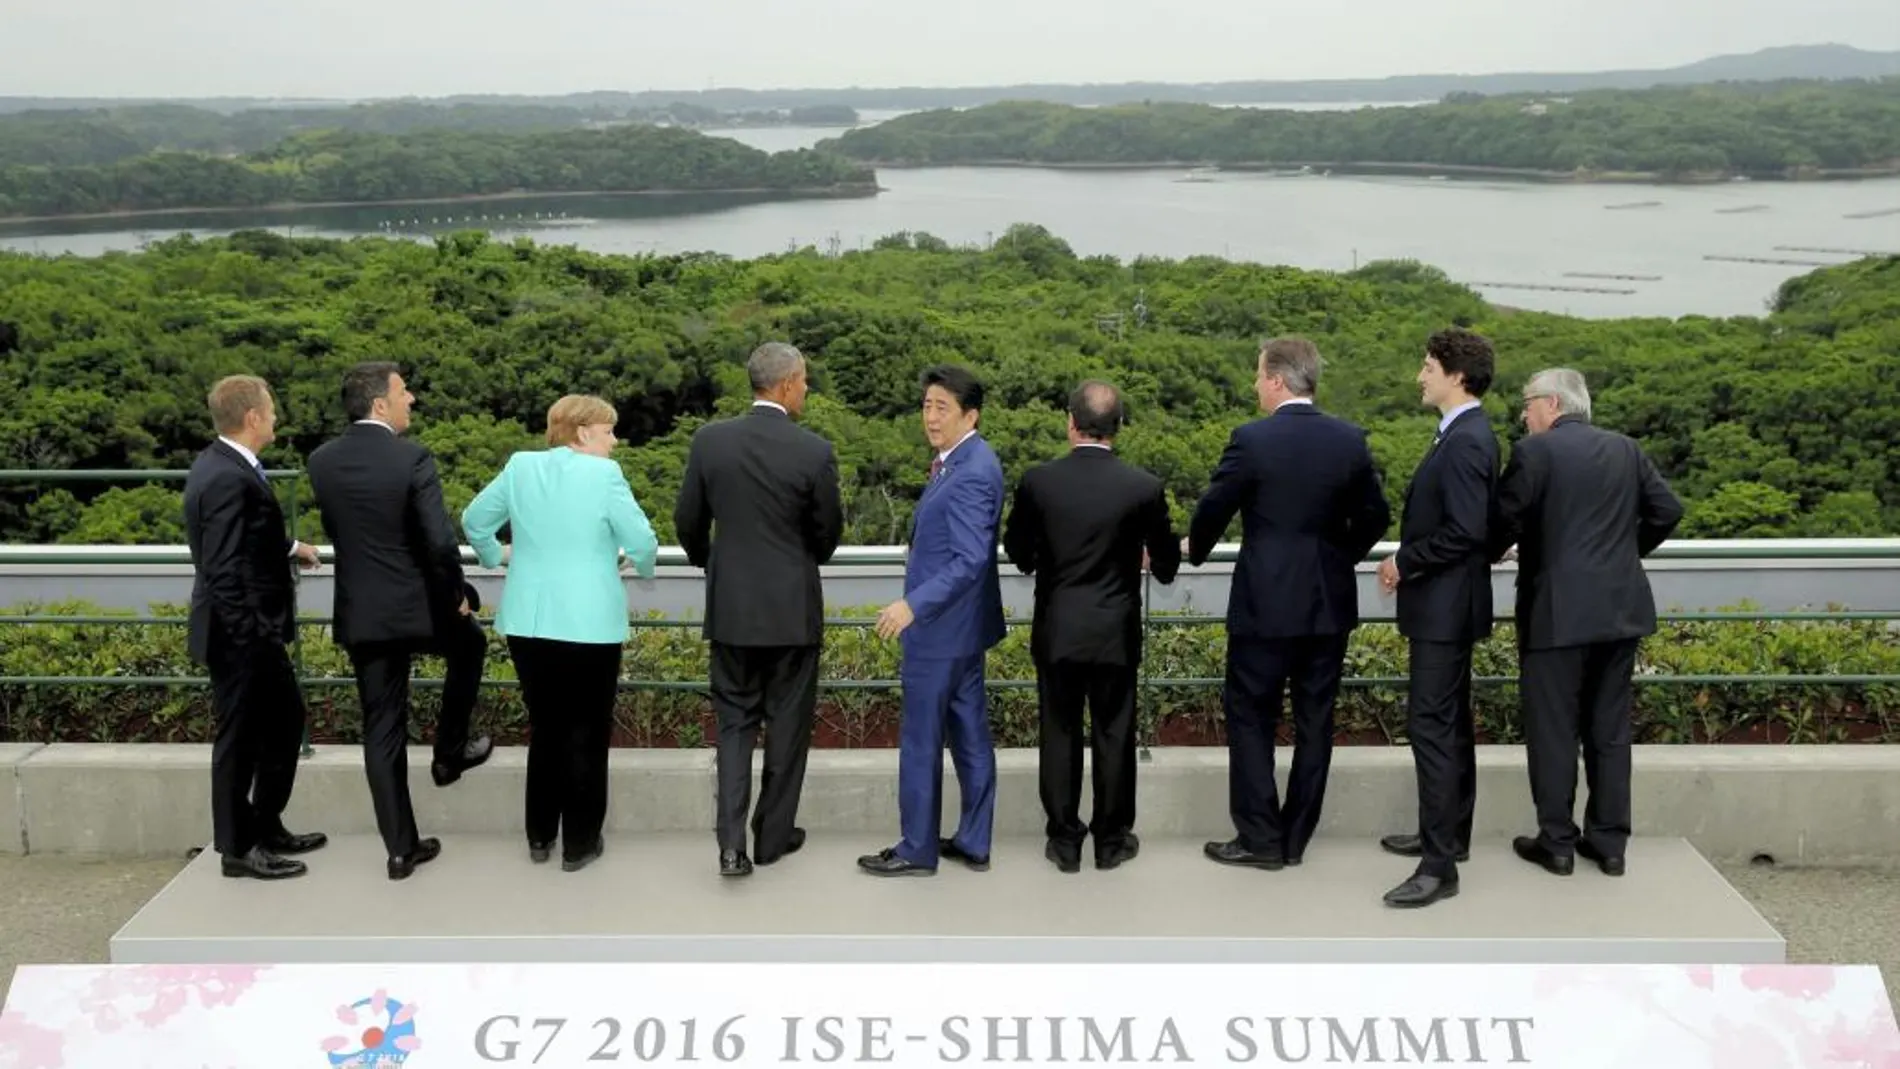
848	557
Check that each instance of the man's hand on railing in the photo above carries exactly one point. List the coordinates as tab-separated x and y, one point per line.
307	556
507	554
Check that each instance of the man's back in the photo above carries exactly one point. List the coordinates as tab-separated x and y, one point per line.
759	510
1079	526
1584	507
241	590
1311	509
398	563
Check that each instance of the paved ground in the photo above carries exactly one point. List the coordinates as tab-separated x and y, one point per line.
59	910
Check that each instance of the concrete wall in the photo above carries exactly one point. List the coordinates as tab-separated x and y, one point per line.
1798	805
679	592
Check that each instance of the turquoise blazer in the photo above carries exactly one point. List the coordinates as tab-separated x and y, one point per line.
571	515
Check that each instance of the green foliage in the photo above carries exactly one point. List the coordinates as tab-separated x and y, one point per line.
328	166
665	669
1762	129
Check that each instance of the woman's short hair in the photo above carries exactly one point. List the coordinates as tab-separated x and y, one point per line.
567	416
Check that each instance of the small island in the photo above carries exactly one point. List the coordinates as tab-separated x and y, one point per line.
338	167
1767	131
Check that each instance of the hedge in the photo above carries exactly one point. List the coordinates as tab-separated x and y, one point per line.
1371	709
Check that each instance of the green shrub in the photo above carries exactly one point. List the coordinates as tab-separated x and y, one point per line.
1184	658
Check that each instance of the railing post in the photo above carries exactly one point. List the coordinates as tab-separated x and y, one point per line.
1141	663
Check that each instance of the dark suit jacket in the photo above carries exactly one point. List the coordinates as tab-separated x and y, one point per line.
1583	506
242	592
759	510
1311	509
950	576
1444	555
1079	526
398	563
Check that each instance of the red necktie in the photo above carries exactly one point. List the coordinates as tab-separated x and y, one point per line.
936	466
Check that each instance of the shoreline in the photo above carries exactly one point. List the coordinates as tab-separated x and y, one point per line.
850	189
1447	170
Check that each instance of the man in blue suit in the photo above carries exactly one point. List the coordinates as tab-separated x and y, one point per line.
1311	508
950	615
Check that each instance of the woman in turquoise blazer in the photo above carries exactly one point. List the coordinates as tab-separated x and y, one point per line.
564	612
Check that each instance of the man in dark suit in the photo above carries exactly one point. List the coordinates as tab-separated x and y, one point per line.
399	592
1584	506
1080	525
243	615
1311	508
1442	574
771	488
949	617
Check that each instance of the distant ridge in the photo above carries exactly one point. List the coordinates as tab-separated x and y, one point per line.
1820	61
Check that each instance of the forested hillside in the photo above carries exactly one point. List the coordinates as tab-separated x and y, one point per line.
1783	425
1762	130
343	166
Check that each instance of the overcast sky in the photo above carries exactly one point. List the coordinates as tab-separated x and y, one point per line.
362	48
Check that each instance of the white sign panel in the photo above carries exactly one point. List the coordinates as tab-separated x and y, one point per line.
430	1016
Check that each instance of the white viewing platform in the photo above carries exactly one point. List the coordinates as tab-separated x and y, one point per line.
659	897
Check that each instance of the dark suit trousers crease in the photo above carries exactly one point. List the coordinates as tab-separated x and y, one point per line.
464	652
1108	692
774	688
260	720
382	687
1444	751
1259	671
569	688
1571	693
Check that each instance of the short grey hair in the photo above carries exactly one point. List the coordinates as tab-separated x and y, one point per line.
1295	361
773	363
1566	386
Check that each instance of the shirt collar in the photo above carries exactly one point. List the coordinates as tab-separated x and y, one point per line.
1293	401
769	404
1455	413
945	455
249	457
377	423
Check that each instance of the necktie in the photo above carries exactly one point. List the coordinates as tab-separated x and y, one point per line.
258	466
936	468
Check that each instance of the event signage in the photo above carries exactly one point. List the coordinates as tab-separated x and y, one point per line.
704	1015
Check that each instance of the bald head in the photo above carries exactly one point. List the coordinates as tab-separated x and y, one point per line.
1095	411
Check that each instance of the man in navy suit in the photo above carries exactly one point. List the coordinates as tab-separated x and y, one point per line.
1311	508
950	615
1442	575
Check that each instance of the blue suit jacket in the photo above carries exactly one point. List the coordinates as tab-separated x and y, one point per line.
572	515
950	575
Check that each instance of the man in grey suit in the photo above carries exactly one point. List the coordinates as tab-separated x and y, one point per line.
759	509
1584	506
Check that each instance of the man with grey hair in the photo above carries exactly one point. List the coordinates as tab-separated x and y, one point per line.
1583	506
1311	507
759	510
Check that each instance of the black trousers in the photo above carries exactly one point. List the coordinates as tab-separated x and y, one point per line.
774	687
1444	751
569	688
1571	693
382	686
260	720
1108	692
1259	671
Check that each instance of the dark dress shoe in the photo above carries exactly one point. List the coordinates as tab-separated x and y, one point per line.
580	861
261	864
401	868
283	842
948	848
540	852
886	863
1420	890
792	846
1232	853
1535	852
1611	866
1067	856
473	755
734	863
1120	852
